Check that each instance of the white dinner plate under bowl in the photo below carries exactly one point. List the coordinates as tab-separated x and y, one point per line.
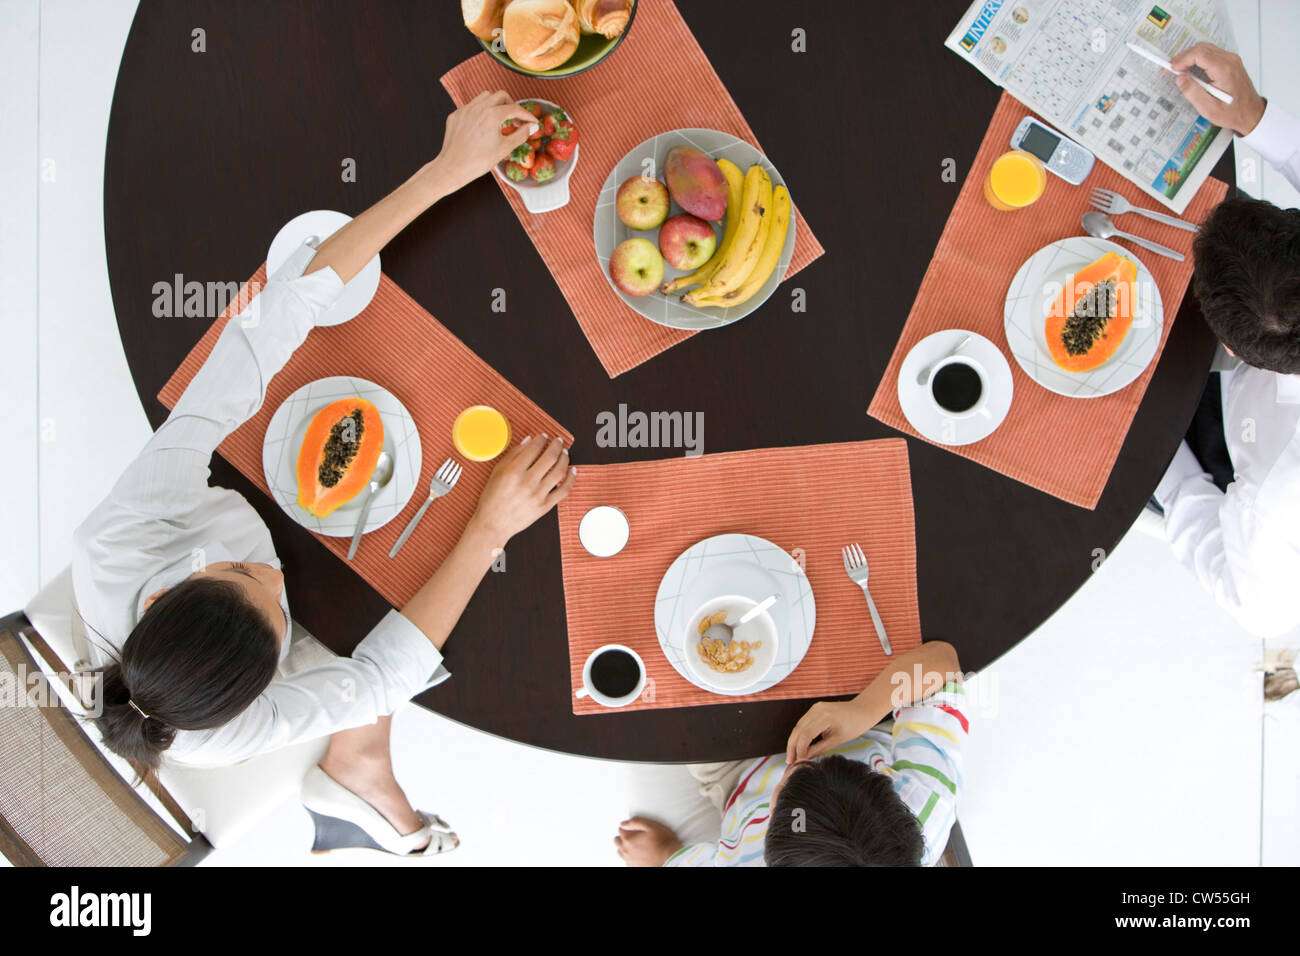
744	565
321	224
918	405
608	230
1031	296
284	440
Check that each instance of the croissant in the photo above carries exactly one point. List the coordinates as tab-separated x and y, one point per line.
606	17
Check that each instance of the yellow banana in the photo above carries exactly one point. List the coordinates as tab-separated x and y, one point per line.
767	262
735	183
747	245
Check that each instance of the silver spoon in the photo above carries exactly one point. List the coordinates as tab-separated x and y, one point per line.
383	473
1100	225
923	376
723	632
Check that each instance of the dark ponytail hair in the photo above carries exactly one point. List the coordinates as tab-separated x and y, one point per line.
200	655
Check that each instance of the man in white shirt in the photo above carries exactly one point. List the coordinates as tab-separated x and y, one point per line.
1243	543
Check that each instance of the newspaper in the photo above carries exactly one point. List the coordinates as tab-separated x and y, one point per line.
1068	61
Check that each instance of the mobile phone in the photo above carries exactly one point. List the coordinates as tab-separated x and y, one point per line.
1060	154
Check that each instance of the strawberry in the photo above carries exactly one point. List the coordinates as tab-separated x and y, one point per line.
515	172
564	129
533	107
509	126
523	155
552	120
537	142
559	149
543	168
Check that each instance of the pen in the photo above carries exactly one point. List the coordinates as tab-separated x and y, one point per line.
1159	60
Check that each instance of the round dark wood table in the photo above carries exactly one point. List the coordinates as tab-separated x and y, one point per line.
209	153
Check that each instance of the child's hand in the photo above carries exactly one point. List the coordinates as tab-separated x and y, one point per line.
643	842
835	722
528	482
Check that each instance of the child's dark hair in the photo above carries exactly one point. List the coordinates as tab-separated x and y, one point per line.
837	812
199	656
1248	281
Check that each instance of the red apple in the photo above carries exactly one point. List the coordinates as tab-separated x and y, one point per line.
636	267
642	202
687	241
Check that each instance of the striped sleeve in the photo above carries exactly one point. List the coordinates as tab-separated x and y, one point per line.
694	854
928	739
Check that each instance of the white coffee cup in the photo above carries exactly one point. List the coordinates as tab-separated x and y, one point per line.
981	406
603	531
589	690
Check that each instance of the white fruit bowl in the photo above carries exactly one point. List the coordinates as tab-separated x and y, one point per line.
554	193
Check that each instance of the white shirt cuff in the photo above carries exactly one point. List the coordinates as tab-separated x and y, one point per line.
1276	138
1183	467
398	647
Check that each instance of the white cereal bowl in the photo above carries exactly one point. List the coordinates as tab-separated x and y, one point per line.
762	628
554	193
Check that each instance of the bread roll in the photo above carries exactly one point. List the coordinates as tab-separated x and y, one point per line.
606	17
482	16
540	34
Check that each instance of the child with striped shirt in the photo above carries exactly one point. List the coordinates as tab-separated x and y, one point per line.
843	793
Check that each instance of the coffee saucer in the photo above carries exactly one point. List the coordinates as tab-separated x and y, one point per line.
919	406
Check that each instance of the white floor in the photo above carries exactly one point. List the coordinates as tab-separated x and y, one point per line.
1129	729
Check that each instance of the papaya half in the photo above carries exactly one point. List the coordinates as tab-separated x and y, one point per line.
338	455
1093	313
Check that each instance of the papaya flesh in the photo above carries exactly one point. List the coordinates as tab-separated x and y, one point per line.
1093	313
338	455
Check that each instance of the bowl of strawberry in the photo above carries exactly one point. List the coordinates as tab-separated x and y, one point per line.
539	169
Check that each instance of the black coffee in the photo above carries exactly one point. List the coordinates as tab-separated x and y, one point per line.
615	673
956	387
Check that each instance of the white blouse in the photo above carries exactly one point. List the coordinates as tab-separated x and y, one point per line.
162	521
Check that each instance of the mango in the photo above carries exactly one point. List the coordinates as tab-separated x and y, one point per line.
695	182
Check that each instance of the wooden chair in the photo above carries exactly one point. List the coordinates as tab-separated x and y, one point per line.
62	803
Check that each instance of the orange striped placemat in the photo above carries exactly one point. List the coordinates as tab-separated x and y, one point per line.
1063	446
397	344
660	57
811	501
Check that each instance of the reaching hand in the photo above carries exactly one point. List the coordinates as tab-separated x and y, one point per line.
474	143
642	842
836	722
1225	71
528	482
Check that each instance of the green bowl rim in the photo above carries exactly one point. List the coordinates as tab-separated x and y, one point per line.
505	60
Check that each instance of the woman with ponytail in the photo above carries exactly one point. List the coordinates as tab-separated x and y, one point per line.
181	583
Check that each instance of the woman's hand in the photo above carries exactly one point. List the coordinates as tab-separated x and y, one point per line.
642	842
473	143
836	722
527	483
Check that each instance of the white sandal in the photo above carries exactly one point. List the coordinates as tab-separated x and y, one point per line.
344	820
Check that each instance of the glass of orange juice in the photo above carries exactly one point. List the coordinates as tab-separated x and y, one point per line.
480	433
1015	180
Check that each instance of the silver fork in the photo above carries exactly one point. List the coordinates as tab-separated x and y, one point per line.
1109	201
855	564
444	479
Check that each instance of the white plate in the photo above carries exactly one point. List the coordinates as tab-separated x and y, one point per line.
608	230
323	223
920	409
554	193
1031	295
748	566
284	440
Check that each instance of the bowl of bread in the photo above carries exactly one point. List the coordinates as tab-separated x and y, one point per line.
549	38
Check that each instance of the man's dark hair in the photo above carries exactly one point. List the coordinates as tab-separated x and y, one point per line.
837	812
1248	280
199	657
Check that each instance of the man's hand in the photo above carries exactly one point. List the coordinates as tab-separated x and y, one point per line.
527	483
642	842
836	722
474	143
1225	71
